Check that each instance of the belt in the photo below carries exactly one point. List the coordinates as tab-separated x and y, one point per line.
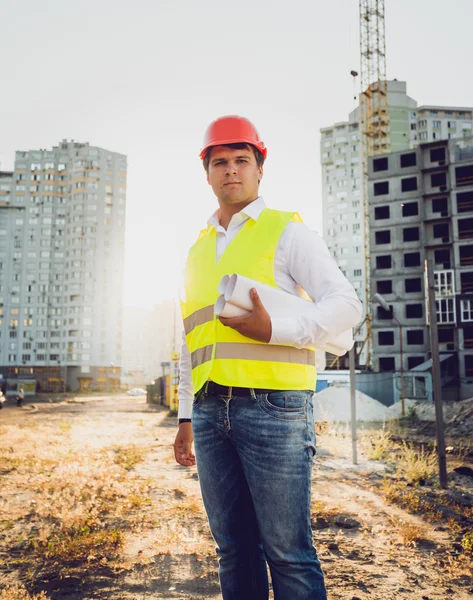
215	389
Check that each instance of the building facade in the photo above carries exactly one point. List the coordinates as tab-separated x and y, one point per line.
62	224
421	206
340	151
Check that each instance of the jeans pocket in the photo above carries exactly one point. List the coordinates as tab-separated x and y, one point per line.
291	405
198	399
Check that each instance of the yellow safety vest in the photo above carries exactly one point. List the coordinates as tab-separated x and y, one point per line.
220	353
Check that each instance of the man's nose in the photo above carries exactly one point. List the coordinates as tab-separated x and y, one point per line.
231	168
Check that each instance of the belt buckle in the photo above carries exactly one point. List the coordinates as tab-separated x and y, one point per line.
229	395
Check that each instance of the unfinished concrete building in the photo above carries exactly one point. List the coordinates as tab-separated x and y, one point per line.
421	204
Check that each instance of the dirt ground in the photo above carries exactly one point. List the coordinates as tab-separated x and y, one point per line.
92	505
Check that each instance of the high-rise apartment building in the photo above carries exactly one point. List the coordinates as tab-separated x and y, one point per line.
62	224
422	206
340	151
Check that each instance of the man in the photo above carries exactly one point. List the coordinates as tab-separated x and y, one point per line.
20	398
245	395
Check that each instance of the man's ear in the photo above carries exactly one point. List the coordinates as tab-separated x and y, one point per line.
260	174
207	175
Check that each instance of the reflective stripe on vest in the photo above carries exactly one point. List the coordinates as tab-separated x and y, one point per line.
235	350
199	317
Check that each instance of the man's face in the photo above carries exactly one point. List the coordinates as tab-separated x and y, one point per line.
234	175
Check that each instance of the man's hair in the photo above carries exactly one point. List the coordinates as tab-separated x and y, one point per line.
238	146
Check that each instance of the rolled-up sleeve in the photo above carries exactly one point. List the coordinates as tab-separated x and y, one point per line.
304	255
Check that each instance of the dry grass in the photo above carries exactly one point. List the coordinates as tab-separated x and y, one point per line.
410	534
377	445
128	456
321	511
467	541
66	506
19	592
414	465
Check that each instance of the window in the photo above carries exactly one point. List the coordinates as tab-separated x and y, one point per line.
468	337
440	205
441	231
357	273
409	184
436	124
467	310
469	365
413	285
465	202
445	310
415	337
446	336
437	154
381	188
411	234
383	237
381	212
412	259
380	164
384	286
414	361
444	283
385	338
408	160
410	209
466	280
451	124
384	262
383	314
386	363
438	179
414	311
465	229
464	175
442	257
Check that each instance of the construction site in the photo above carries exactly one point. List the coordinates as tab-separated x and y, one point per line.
92	501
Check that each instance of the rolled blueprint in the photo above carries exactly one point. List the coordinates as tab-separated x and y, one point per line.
222	286
236	296
226	309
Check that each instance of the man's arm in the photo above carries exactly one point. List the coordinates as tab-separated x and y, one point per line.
303	255
184	437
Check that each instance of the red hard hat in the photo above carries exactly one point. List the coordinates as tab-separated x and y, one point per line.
231	130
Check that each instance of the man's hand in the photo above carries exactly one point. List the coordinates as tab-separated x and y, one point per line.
183	445
255	325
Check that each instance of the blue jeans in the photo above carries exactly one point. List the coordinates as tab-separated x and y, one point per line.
254	459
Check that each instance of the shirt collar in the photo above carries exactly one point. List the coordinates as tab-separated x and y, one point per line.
252	211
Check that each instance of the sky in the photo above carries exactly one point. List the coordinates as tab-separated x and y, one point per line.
145	78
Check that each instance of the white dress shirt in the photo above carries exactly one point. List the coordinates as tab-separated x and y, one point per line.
302	259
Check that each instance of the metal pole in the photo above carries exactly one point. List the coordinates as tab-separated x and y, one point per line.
351	362
401	356
434	351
